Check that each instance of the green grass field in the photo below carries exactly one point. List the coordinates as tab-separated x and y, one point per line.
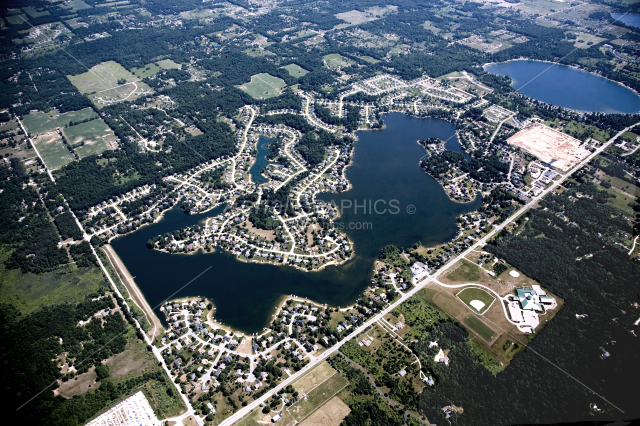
475	294
39	122
32	12
318	375
101	77
76	5
53	151
466	272
29	292
335	61
479	327
318	396
95	134
263	86
17	19
295	70
369	59
154	67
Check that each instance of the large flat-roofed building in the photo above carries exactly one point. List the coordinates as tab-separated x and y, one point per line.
550	146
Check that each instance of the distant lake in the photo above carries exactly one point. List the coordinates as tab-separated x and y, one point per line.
385	168
567	87
630	19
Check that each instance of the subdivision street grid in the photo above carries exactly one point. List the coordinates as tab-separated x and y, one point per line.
303	187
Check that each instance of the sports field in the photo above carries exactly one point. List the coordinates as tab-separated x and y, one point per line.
479	327
317	397
476	299
295	70
263	86
53	151
95	134
39	122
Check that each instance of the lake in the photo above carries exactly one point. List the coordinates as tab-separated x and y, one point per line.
261	160
567	87
385	170
630	19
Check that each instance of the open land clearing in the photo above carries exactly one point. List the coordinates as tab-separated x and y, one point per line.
263	86
101	77
109	82
330	414
295	70
549	145
29	292
53	151
39	122
316	376
154	67
356	17
93	137
317	397
334	61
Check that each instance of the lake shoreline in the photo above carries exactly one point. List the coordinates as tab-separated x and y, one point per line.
573	67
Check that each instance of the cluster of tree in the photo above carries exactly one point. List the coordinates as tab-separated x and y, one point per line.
287	100
349	121
25	226
313	146
67	226
486	169
88	182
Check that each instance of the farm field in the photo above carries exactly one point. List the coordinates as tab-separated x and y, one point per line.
476	299
317	397
40	122
93	136
263	86
295	70
53	151
479	327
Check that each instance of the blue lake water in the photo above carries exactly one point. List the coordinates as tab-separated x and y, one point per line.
567	87
386	167
261	160
630	19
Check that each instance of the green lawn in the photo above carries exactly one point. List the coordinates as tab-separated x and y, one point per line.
295	70
263	86
466	272
479	327
471	294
